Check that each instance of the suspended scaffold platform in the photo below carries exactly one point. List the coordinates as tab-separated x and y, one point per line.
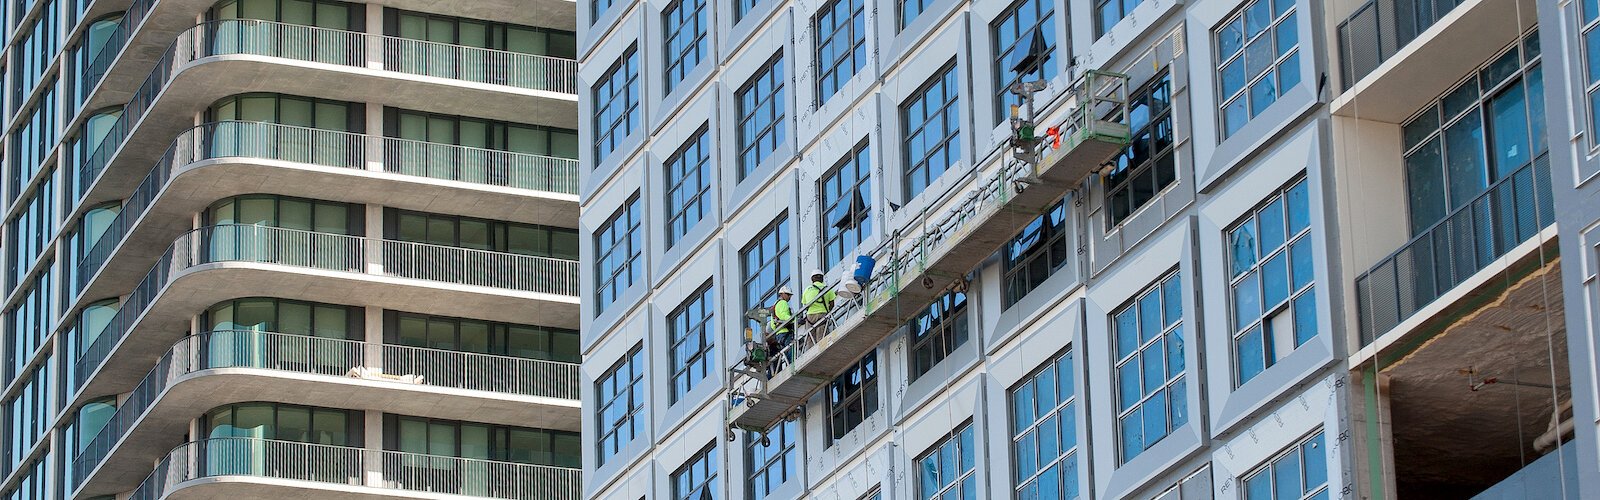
933	255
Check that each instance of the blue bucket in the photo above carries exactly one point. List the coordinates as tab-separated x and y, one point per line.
863	271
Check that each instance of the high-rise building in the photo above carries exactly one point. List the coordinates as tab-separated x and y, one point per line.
1272	249
290	249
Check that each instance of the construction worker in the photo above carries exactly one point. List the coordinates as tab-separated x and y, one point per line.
782	321
818	300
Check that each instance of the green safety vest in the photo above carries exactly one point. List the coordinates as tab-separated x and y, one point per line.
781	316
809	297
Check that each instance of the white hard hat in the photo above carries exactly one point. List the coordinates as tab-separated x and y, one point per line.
785	289
817	272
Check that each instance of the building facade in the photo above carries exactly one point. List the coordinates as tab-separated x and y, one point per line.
290	249
1327	264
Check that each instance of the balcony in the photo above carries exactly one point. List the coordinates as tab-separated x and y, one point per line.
221	58
1396	55
249	469
216	368
1514	210
223	159
218	263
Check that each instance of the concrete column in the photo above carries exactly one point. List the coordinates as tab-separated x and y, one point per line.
373	336
374	131
374	239
372	442
374	36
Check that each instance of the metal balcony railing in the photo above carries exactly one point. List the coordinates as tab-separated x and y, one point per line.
350	48
343	465
117	40
1441	257
333	252
322	356
473	64
1380	28
465	266
484	372
327	148
480	166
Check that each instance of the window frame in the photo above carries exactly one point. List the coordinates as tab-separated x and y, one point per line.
1160	84
1286	18
1299	449
856	39
753	151
838	242
706	461
1289	304
673	21
946	77
603	253
1170	384
1024	38
1063	365
857	387
679	331
780	453
962	434
677	174
606	139
779	261
633	360
1014	267
943	327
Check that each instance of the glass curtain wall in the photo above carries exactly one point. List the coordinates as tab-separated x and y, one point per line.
282	334
425	141
444	46
310	233
308	30
286	127
258	439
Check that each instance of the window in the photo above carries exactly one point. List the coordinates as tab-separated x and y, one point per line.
482	234
1590	15
1151	401
909	10
80	240
1036	254
32	143
841	28
285	109
616	103
697	479
619	398
30	231
1195	486
773	463
28	413
31	485
477	133
1146	166
473	33
846	205
1270	281
692	328
946	472
33	55
500	443
852	397
1478	134
937	331
1013	36
89	148
932	124
761	116
685	39
1044	431
282	422
28	324
321	13
477	336
1108	12
1257	59
765	267
688	175
617	247
597	8
742	7
1300	472
89	58
285	212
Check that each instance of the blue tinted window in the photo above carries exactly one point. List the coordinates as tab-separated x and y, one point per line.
1013	36
688	176
765	263
841	31
932	122
619	398
693	335
685	39
846	193
1044	431
1269	278
697	478
946	471
1150	377
616	104
617	247
761	116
